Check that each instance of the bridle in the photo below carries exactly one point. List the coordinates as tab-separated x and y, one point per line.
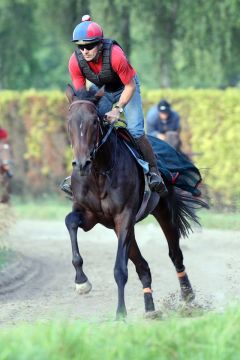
98	142
75	102
82	102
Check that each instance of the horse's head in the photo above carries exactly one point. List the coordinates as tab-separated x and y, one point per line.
83	125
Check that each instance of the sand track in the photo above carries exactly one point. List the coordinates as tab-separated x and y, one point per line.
39	282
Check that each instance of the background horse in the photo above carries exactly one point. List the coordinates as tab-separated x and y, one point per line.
108	186
5	172
173	139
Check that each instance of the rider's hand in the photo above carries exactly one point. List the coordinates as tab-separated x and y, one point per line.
113	115
161	136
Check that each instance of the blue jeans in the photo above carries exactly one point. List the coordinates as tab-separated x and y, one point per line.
133	110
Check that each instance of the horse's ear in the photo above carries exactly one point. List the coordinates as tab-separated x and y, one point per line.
100	93
70	93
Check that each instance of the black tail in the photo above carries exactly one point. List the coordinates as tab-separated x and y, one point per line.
184	208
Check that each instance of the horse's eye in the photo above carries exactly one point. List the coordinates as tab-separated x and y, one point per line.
95	121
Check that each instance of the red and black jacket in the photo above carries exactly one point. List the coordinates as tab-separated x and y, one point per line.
107	75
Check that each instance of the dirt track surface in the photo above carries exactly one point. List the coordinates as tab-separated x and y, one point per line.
39	283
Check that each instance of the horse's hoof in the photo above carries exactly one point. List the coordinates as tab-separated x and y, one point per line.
121	315
121	318
188	296
156	314
84	288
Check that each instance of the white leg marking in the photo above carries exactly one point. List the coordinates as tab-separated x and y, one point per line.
83	288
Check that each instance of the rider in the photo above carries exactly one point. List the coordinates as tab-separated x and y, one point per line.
103	62
161	119
3	135
4	148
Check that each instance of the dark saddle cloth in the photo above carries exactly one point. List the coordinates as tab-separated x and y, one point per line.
174	166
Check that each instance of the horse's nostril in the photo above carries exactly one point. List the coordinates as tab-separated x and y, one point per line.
83	167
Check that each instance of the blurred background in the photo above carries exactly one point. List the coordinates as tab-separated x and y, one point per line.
172	43
185	52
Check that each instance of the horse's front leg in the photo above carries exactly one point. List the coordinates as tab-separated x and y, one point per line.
120	269
73	221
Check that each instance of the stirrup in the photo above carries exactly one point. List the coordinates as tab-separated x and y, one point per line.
65	186
156	183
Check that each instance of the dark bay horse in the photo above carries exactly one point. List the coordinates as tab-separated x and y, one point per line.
108	185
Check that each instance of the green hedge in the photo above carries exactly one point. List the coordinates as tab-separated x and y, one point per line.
209	121
37	125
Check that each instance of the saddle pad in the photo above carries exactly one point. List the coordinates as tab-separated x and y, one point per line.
144	165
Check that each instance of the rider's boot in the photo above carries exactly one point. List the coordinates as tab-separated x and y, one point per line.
156	182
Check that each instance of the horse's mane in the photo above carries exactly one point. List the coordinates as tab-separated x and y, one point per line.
84	94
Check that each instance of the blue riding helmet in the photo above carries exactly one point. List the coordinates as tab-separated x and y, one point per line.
87	32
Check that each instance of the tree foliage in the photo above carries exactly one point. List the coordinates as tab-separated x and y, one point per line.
18	66
171	43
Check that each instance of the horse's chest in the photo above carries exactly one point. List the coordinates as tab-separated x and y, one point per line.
95	203
94	197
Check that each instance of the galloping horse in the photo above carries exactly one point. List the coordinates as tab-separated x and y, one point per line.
108	186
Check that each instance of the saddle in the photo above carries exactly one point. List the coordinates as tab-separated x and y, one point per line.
131	144
124	134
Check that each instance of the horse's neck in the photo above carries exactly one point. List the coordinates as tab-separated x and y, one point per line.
107	152
111	153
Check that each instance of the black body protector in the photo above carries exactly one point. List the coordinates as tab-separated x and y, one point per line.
107	75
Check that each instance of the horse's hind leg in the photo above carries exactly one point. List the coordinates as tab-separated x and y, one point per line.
74	220
143	272
163	215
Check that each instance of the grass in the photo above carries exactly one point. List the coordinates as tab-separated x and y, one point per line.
44	208
53	208
5	255
210	337
225	221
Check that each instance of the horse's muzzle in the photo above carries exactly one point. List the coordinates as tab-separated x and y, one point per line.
83	167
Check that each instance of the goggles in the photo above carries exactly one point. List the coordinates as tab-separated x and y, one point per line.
88	46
